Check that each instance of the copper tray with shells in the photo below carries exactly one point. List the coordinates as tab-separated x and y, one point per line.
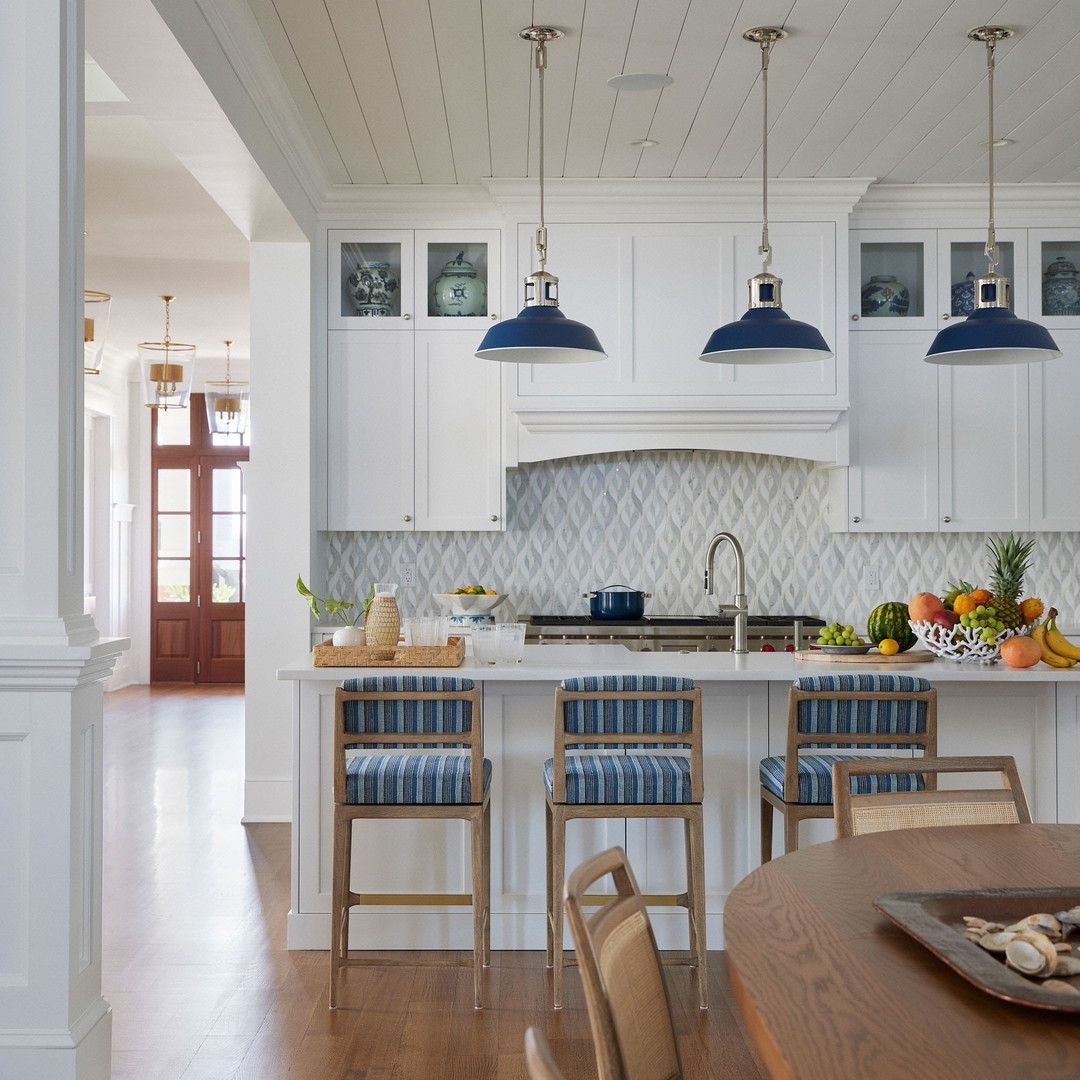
936	920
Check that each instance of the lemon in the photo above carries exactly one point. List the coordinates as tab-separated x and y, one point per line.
491	592
887	647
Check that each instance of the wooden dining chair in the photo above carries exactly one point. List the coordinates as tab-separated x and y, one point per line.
865	711
865	812
655	720
538	1057
413	715
623	975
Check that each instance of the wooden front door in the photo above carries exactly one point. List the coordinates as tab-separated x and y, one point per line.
198	580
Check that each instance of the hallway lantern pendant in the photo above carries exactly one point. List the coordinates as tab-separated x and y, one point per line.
992	334
166	369
541	333
96	307
227	402
766	334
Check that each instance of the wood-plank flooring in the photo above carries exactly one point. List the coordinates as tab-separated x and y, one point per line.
194	957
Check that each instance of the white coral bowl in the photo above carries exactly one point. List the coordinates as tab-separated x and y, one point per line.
962	643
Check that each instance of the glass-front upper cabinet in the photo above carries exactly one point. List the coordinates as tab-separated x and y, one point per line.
913	279
382	279
1054	293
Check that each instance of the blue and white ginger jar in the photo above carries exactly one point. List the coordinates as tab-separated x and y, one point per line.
883	295
1061	289
963	296
372	286
458	290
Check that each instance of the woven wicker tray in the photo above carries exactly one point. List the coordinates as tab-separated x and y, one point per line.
452	654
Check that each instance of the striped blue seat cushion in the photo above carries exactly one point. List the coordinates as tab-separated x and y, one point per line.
407	715
410	779
627	716
815	778
852	716
593	779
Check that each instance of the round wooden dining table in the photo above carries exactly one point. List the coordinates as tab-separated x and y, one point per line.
831	989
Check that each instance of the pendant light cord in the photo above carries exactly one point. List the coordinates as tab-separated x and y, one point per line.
765	250
541	228
991	250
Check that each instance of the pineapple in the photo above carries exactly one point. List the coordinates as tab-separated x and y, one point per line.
1009	561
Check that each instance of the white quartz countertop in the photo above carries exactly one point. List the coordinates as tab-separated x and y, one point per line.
550	663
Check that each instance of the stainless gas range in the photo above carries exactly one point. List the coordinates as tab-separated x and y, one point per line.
674	633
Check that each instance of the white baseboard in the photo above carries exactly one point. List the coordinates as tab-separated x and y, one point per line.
267	800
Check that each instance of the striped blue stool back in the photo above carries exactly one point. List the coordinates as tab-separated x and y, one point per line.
856	715
630	715
408	714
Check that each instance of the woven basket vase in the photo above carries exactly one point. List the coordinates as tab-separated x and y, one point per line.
382	623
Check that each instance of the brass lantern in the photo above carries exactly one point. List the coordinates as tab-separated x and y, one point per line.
227	402
166	369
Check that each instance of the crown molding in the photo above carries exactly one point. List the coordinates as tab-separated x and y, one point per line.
965	205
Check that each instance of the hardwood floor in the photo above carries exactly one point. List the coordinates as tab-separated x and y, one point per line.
195	964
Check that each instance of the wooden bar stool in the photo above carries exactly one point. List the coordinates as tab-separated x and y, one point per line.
414	714
882	712
629	713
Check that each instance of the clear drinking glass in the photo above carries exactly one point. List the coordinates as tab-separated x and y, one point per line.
485	641
511	642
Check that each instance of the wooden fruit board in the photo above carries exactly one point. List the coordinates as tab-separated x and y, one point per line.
914	656
452	654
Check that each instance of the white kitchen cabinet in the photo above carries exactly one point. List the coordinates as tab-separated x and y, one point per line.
412	260
655	292
934	448
413	433
1055	444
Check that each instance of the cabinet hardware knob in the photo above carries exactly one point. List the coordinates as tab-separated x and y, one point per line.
856	520
854	318
407	518
944	314
494	517
946	519
406	316
494	317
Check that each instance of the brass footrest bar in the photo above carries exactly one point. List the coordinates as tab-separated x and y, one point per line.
406	899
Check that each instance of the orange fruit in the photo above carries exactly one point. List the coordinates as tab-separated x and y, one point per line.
887	647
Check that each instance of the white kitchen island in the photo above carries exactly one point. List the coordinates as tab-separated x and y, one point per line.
1033	714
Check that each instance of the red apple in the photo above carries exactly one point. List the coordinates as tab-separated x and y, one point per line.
789	648
944	617
767	648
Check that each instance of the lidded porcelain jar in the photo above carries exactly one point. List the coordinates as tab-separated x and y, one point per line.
1061	289
963	295
458	290
372	286
884	296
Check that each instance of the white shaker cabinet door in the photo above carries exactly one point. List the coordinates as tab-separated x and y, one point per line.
983	418
893	481
369	431
1055	438
459	481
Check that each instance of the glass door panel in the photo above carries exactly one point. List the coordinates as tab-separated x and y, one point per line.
892	280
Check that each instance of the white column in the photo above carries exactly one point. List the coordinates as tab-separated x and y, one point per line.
278	481
54	1023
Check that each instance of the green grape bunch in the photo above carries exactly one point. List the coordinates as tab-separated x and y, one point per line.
984	620
837	634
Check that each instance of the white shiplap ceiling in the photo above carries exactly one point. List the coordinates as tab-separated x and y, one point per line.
440	91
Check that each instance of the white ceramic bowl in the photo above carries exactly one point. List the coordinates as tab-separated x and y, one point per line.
962	643
469	603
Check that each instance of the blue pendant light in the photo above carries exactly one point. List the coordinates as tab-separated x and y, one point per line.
992	334
766	334
541	333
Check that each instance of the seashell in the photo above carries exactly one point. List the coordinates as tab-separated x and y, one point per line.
1043	922
1058	984
984	925
1063	946
1067	966
1068	919
1031	953
996	941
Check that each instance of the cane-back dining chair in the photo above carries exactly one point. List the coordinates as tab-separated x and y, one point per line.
863	711
654	722
857	813
434	727
622	974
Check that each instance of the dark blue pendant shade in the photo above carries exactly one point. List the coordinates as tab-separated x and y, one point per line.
766	335
992	335
541	334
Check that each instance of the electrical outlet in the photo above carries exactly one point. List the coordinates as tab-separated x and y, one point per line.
407	573
871	578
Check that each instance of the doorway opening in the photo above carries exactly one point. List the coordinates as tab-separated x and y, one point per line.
198	534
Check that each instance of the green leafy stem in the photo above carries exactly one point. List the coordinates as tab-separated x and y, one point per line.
345	610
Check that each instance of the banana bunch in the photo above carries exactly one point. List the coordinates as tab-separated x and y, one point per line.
1057	650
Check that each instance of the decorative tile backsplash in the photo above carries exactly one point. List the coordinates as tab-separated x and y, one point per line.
644	519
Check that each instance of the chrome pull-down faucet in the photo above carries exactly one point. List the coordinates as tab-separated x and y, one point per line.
738	609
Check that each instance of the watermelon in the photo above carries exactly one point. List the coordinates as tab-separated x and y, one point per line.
891	621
